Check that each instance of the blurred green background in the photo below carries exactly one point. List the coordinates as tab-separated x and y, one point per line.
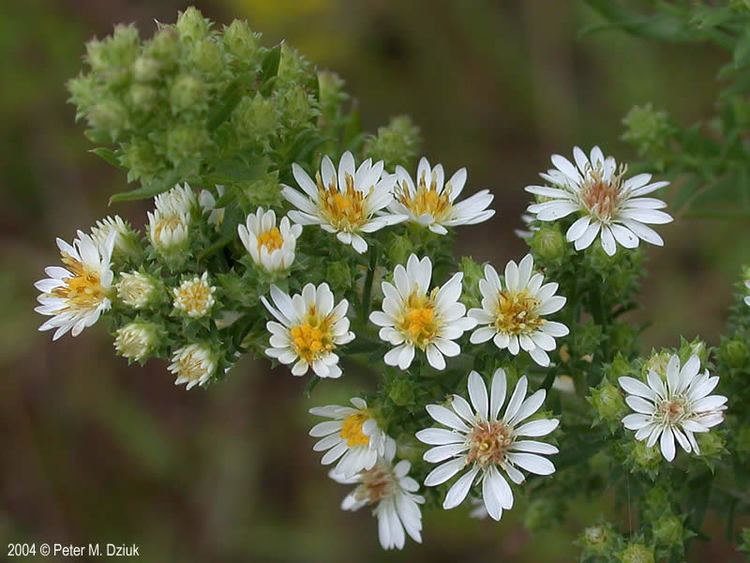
97	451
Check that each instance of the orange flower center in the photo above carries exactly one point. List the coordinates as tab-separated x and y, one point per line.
270	239
351	429
489	442
83	290
312	338
418	323
516	313
345	210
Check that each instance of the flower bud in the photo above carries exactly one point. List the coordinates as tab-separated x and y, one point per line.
637	553
137	340
143	97
734	353
127	243
473	272
294	69
186	93
711	444
185	143
644	458
146	69
164	48
265	191
240	41
138	290
657	363
331	93
399	249
110	116
548	243
608	403
141	160
193	364
206	57
194	297
297	107
255	119
668	531
339	276
191	25
402	391
598	540
646	128
396	144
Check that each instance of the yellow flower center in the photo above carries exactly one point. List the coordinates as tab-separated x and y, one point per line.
312	338
271	239
516	313
488	443
191	366
600	197
83	290
346	211
426	199
377	483
351	429
671	410
195	297
418	323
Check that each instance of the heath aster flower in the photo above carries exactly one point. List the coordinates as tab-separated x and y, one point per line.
168	224
432	202
353	437
674	410
608	205
193	365
392	491
136	289
348	203
76	295
194	297
136	340
480	443
309	329
512	313
415	317
271	247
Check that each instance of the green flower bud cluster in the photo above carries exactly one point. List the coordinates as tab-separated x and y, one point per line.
650	131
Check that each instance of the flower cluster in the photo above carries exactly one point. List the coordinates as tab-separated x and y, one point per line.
327	260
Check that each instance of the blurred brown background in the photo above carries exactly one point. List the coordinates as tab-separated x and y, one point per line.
97	451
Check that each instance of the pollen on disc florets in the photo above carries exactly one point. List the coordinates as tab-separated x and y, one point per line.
345	210
517	312
489	442
419	320
602	197
427	199
312	338
351	429
195	297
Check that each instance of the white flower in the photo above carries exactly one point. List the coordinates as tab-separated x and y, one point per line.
512	316
125	237
207	201
747	299
676	410
136	340
136	289
529	230
480	443
309	329
352	437
169	223
193	364
194	297
415	317
76	295
608	205
349	203
271	247
432	203
392	491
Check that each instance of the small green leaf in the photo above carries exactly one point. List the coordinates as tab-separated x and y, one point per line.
107	155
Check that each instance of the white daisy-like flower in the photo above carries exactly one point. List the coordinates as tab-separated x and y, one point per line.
193	365
432	201
75	296
136	289
194	297
169	223
392	491
271	247
608	205
480	443
415	317
513	310
207	201
674	410
136	340
310	328
349	203
352	437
